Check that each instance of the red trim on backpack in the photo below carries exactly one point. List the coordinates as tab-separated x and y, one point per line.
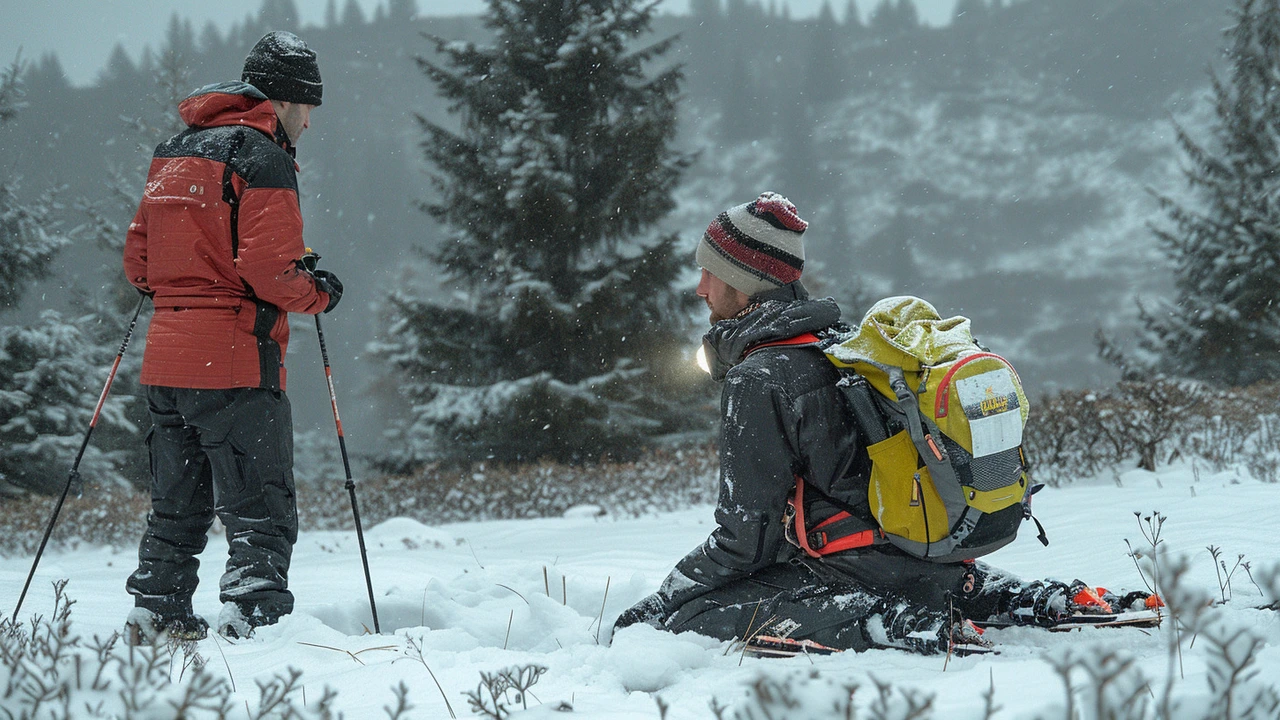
940	401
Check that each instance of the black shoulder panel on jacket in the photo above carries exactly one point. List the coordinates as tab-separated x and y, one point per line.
251	154
263	164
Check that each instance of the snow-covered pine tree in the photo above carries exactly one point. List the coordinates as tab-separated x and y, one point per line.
48	371
1224	324
27	242
565	333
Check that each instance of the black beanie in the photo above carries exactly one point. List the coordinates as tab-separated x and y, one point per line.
284	68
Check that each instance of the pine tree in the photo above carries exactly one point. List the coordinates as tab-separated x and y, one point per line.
48	391
27	241
11	90
564	339
824	65
969	11
1224	325
704	10
884	19
908	15
853	19
46	76
402	10
279	15
211	41
119	70
46	369
352	15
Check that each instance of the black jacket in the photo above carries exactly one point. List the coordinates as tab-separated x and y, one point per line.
783	416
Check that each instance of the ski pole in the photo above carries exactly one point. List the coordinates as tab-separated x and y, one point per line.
75	466
309	261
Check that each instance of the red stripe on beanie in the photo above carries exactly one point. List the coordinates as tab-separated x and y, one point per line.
754	261
781	209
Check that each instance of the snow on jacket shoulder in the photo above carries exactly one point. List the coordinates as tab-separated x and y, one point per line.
216	238
782	417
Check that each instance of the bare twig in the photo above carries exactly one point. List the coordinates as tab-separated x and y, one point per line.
510	618
423	659
354	655
603	600
504	587
224	661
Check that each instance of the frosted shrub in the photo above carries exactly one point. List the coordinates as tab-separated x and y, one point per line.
662	479
1065	437
1145	423
47	671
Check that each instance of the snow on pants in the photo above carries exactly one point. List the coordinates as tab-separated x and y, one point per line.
790	598
227	453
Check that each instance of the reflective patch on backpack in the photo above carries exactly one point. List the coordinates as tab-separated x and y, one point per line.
990	402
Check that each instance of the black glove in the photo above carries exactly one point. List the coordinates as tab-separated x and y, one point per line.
651	610
328	282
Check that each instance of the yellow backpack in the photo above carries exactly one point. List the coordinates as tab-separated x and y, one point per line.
944	421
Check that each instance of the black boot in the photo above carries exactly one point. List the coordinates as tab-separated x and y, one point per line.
144	627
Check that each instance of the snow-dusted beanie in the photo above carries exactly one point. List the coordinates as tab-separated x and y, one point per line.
755	247
284	68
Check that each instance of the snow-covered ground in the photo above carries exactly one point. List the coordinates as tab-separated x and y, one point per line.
480	597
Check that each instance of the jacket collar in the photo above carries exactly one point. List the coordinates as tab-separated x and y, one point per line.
777	314
234	103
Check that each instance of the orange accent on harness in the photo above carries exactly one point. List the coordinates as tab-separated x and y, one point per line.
805	339
846	542
1154	601
934	447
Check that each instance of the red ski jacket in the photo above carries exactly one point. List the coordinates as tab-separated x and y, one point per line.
216	239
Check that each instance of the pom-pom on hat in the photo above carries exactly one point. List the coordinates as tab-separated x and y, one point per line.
757	246
284	68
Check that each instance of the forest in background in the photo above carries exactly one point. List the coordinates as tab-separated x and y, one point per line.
1000	166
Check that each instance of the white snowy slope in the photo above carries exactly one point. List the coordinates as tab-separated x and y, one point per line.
473	596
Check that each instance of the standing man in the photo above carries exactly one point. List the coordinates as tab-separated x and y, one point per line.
216	243
784	423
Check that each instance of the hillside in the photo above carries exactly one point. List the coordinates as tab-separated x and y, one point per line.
999	166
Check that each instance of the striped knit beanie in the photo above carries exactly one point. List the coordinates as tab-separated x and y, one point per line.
755	247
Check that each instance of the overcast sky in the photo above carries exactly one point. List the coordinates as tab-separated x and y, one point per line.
82	32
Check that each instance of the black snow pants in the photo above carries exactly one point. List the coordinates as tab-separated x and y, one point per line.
808	600
229	453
